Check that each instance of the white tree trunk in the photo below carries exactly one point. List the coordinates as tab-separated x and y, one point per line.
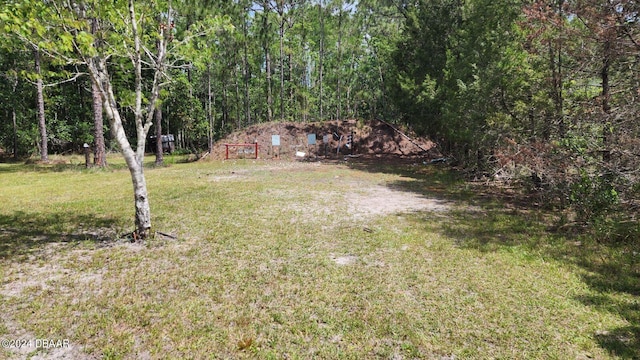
143	116
120	37
143	210
136	169
100	77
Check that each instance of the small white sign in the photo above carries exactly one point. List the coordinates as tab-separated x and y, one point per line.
325	139
275	140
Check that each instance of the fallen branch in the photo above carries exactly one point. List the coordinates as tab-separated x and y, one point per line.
203	156
173	237
404	135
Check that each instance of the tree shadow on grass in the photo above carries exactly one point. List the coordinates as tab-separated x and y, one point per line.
42	168
615	273
441	182
73	165
490	220
25	233
76	167
623	341
611	270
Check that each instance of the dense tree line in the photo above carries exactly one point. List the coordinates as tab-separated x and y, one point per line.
544	93
512	89
278	60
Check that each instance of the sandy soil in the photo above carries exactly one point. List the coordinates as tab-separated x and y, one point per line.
33	348
379	200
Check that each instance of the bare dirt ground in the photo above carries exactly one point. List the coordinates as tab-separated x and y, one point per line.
362	199
372	138
380	200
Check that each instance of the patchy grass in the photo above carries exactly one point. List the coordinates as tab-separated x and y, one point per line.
272	262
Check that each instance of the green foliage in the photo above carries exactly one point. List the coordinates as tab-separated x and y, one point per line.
419	63
15	93
579	142
469	74
593	197
185	113
455	66
224	44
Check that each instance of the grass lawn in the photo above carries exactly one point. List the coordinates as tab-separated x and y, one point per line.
285	260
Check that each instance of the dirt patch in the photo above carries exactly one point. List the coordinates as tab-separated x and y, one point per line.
343	260
39	277
349	198
369	138
33	347
380	200
32	277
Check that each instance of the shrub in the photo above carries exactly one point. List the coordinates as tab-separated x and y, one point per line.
593	197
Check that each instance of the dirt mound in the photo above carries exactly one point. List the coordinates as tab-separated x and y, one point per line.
371	138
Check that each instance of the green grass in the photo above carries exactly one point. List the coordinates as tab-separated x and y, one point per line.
252	274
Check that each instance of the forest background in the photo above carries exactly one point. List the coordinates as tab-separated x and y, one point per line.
541	94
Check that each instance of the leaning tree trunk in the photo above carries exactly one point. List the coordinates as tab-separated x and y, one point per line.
97	66
136	169
134	161
135	165
99	151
